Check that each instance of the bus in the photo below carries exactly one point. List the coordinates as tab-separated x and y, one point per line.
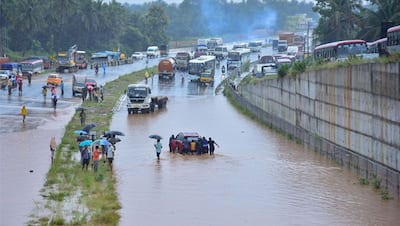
237	57
255	46
205	63
393	39
377	48
341	50
33	66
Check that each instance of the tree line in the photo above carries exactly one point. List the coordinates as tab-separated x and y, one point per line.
355	19
50	26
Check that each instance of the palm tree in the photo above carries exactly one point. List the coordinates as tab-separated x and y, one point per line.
339	19
373	17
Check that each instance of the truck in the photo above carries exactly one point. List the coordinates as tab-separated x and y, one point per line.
166	68
282	45
164	50
139	99
182	60
288	36
80	59
66	60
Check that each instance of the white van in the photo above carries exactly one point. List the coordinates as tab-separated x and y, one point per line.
152	51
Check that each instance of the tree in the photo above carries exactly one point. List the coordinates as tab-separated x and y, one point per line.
339	19
373	17
156	23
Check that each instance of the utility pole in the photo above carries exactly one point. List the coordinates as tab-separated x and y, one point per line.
308	37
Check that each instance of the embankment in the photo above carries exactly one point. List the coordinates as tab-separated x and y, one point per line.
350	114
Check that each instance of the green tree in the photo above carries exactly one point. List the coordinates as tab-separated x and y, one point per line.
156	23
373	16
339	19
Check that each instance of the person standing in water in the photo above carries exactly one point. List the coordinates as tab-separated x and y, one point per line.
24	112
158	147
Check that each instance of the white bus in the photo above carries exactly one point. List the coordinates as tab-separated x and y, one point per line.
237	57
255	46
202	64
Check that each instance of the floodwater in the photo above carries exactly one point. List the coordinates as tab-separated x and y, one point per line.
256	177
25	155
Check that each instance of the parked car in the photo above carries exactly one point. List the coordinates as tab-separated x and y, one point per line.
78	83
54	79
137	56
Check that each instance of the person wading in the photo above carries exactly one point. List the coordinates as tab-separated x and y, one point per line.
158	147
24	112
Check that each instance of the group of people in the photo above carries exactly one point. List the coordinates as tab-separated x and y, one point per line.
91	93
192	146
93	152
53	91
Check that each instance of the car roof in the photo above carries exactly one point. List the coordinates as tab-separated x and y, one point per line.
189	134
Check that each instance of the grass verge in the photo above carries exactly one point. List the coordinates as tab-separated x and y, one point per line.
75	197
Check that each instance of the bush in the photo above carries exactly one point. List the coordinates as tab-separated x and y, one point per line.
298	67
283	70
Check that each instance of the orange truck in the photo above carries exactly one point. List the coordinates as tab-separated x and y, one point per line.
166	68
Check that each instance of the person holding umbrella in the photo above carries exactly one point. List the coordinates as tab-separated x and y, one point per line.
158	147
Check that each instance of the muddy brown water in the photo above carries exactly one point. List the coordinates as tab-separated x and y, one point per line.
256	177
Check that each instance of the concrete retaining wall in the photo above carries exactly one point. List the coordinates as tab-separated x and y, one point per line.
350	114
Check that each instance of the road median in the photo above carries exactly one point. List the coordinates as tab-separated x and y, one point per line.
72	196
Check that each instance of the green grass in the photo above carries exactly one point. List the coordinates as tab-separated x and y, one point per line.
65	179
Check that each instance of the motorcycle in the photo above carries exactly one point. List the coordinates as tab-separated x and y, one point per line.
223	69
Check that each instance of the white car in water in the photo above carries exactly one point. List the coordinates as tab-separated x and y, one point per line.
137	56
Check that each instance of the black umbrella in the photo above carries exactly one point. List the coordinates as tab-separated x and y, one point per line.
80	108
114	140
155	136
112	133
88	127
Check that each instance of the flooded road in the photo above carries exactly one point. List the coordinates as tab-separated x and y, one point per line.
257	177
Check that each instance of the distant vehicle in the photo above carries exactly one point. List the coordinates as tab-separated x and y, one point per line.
275	44
3	81
66	60
200	51
212	43
137	56
78	84
393	39
46	60
11	66
255	46
282	45
221	52
267	59
54	79
164	50
239	46
341	50
283	61
202	64
182	60
139	99
80	59
378	48
293	51
152	52
33	66
166	68
237	57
